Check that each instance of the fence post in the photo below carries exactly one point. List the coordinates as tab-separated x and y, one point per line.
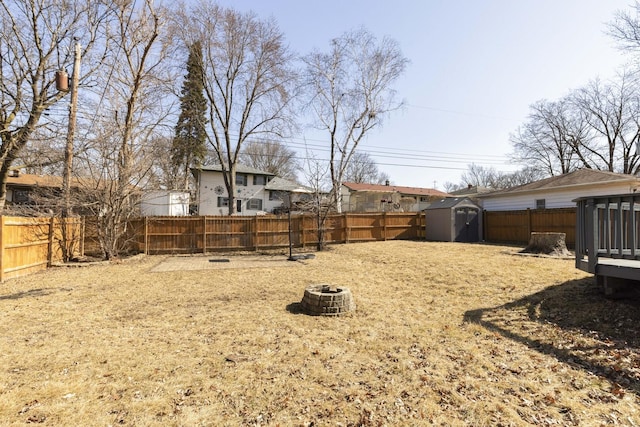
204	234
1	248
528	223
347	228
255	233
83	229
50	241
384	226
146	235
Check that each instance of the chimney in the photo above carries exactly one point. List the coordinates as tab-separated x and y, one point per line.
469	186
386	183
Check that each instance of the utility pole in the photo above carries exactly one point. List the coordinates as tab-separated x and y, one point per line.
68	154
67	240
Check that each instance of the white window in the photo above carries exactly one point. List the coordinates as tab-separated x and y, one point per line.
241	179
540	203
254	204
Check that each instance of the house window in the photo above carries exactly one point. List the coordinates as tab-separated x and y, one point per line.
223	202
254	204
540	203
260	180
277	195
241	179
424	198
20	196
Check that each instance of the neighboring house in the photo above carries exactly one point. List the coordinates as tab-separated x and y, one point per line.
559	191
257	192
471	191
358	197
164	203
37	194
29	190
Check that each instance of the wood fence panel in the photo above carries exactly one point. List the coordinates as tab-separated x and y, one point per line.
229	233
506	227
32	244
166	235
404	226
273	231
515	227
557	221
91	238
361	227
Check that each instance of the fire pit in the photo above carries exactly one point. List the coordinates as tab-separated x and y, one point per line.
326	300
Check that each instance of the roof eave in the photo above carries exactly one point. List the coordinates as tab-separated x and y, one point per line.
562	187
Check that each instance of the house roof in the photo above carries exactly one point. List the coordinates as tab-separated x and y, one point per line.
46	181
54	181
414	191
581	177
450	202
281	184
239	169
472	190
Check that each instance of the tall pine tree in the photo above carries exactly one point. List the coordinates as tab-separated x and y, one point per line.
188	148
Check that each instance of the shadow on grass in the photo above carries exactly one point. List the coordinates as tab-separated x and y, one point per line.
29	293
295	308
577	325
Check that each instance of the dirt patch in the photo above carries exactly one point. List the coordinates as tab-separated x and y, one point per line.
223	262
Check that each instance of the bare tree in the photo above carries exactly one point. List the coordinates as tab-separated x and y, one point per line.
271	156
351	93
249	80
625	29
553	137
363	169
316	176
480	176
35	41
133	103
611	111
450	186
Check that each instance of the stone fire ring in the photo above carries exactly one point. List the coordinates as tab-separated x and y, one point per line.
325	300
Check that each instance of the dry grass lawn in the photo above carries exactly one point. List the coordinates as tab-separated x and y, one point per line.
444	334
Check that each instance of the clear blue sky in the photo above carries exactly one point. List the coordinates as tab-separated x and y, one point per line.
476	66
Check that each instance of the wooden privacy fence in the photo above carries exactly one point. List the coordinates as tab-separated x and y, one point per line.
31	244
157	235
515	227
28	245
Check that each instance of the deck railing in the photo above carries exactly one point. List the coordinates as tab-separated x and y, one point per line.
607	227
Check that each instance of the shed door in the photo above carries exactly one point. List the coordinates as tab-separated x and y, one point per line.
466	225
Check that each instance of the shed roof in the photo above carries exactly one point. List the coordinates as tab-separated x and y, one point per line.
414	191
577	178
451	202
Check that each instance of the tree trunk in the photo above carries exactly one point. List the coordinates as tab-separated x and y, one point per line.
548	244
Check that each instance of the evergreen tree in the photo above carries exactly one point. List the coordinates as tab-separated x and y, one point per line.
188	148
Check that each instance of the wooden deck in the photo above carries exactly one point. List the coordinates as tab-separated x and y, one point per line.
608	236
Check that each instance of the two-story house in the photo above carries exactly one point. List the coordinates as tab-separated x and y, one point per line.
257	192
